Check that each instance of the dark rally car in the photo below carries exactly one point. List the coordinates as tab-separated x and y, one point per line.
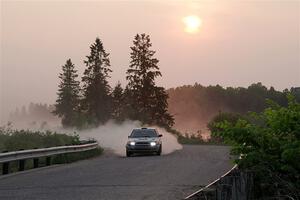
144	140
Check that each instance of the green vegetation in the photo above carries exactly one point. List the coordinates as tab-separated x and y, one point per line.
198	140
269	145
14	140
194	139
220	117
191	139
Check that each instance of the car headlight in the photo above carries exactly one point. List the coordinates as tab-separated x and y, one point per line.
132	143
152	144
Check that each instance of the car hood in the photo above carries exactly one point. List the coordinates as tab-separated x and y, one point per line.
143	139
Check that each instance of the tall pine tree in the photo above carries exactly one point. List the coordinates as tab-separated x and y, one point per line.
148	103
67	102
97	100
160	114
118	103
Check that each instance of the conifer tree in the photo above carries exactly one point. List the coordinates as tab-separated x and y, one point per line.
96	102
160	114
67	101
147	101
118	103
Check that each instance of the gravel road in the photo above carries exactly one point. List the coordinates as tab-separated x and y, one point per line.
110	177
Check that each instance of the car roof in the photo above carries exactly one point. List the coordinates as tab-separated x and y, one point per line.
144	128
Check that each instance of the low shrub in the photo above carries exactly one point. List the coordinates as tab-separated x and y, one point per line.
14	140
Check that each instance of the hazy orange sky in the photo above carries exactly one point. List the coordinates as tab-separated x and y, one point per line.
239	42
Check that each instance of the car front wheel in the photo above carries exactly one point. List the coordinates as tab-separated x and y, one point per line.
159	151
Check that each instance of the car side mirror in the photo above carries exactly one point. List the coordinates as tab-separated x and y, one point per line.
160	135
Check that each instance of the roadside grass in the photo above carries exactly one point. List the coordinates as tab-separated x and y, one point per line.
194	139
16	140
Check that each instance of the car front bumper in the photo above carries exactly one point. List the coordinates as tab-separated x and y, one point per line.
142	148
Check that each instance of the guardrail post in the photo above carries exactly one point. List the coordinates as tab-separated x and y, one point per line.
48	160
21	156
21	165
35	163
5	168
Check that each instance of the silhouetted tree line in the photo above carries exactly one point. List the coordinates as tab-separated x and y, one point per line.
93	101
200	102
34	111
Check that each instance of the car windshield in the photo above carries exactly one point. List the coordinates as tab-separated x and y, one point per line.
143	133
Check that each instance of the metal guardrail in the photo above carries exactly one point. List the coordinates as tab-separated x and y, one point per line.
34	154
210	184
44	152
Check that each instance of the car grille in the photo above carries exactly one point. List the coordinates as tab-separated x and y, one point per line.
142	143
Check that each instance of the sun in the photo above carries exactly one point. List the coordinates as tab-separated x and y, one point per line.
192	23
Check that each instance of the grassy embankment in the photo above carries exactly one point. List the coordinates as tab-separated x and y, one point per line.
14	140
194	139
